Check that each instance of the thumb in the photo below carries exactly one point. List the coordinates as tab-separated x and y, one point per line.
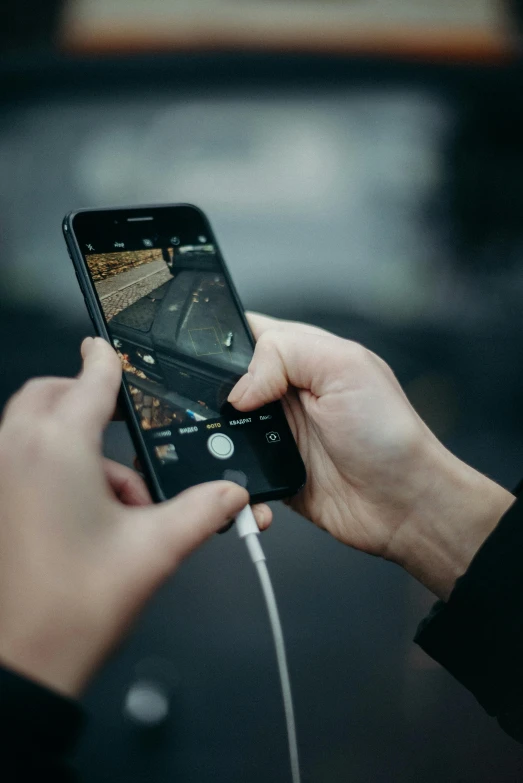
180	525
310	361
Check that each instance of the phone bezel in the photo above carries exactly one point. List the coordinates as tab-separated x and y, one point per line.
98	319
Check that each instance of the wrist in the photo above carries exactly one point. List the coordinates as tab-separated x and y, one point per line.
450	521
62	662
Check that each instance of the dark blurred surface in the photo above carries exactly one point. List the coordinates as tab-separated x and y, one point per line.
515	8
403	234
29	24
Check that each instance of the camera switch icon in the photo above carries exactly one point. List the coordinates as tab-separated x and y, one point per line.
273	437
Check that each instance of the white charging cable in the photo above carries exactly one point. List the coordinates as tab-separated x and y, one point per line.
248	530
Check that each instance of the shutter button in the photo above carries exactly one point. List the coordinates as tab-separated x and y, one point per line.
220	446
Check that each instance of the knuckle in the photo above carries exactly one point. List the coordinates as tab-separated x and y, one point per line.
213	494
268	340
47	439
381	363
33	440
44	435
36	385
271	350
21	400
358	354
29	386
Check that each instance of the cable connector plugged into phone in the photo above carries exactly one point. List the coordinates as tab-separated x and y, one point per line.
248	530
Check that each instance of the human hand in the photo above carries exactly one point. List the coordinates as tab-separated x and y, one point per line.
81	547
378	478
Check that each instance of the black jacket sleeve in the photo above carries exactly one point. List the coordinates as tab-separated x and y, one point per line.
38	730
478	634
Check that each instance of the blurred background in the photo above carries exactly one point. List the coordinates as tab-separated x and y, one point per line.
362	164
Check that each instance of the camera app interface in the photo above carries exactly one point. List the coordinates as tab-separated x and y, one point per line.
183	344
175	326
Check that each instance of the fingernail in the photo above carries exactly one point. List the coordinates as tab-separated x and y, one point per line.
86	346
261	516
240	388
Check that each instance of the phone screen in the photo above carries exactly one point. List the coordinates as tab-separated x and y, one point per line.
175	320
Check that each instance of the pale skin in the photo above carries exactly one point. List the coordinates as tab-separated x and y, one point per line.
82	548
378	478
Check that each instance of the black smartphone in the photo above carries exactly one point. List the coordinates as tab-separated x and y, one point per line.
156	286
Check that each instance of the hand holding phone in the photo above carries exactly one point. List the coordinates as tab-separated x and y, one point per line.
157	288
379	479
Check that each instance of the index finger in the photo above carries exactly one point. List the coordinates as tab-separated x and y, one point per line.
316	362
262	323
92	398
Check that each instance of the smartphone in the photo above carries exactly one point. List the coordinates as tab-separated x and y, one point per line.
156	286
